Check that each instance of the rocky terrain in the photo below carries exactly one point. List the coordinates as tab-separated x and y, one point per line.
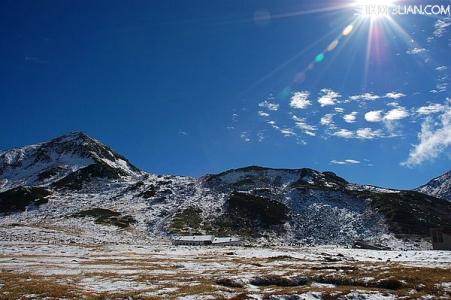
75	181
79	221
439	187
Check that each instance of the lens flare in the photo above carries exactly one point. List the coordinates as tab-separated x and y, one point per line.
332	46
347	30
319	58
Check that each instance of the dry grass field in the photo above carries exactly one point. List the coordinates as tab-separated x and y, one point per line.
162	271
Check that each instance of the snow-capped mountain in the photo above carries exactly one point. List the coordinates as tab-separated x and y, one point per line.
77	182
439	187
46	163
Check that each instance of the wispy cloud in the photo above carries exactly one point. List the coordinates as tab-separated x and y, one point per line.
302	124
287	132
328	97
269	105
300	100
350	118
245	136
368	133
327	119
345	162
365	97
372	96
434	138
262	114
344	133
431	109
416	50
394	95
440	27
362	133
441	84
441	68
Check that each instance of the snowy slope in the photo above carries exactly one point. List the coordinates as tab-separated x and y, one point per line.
46	163
439	187
91	191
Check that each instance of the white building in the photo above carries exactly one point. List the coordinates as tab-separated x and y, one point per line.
199	240
227	241
193	240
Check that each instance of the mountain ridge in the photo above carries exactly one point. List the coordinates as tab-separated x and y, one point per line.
260	204
50	161
439	186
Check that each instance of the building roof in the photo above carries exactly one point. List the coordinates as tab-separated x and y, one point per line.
194	238
225	240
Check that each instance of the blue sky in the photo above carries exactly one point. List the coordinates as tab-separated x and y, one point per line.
195	87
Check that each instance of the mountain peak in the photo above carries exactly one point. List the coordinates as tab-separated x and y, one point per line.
257	175
439	187
77	137
45	163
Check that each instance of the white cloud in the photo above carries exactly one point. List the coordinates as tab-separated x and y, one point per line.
352	161
374	116
345	162
394	95
365	97
235	118
440	26
269	105
287	132
372	97
306	128
350	118
441	85
368	133
362	133
339	109
263	114
434	138
442	68
273	125
431	109
328	97
344	133
393	104
245	136
300	100
396	114
416	51
327	119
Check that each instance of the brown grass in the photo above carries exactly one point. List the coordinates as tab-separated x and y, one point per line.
394	278
18	285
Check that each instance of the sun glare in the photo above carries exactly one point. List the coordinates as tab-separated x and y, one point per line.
373	9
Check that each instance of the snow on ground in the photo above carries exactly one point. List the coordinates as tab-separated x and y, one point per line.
154	268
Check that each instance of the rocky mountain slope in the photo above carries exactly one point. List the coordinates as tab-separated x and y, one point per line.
72	154
439	187
76	183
